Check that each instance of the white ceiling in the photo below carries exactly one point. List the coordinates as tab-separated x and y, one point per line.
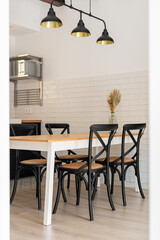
16	30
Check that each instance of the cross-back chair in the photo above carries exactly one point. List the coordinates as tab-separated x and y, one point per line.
70	156
37	166
124	162
88	171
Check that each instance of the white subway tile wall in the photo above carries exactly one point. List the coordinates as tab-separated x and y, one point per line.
12	108
82	102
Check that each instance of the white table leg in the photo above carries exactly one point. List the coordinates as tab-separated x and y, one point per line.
99	179
99	182
49	185
136	185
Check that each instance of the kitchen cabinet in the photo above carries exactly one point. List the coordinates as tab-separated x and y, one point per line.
24	155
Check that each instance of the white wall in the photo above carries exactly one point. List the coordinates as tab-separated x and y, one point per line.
11	95
78	74
67	57
82	102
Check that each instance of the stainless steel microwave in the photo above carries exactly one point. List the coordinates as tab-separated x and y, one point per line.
22	68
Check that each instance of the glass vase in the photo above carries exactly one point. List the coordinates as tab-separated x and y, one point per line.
112	118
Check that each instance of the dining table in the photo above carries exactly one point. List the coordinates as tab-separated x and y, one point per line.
51	144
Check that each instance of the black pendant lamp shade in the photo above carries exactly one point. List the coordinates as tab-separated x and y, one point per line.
81	30
51	21
105	38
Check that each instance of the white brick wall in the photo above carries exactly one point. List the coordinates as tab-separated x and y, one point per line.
82	102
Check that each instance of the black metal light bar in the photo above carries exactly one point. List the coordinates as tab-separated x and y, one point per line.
78	10
55	22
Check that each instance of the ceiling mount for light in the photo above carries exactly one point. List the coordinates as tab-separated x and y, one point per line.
51	21
58	3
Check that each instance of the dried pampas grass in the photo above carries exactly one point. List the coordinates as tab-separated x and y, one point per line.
114	99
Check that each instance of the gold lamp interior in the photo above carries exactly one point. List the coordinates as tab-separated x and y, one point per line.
80	34
51	24
105	42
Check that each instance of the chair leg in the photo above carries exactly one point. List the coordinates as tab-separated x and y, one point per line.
123	191
63	192
41	177
36	190
14	186
112	181
95	188
68	182
36	183
39	187
90	199
78	189
43	172
139	183
58	192
76	184
109	192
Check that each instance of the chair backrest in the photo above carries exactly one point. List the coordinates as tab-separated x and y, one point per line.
51	126
128	129
23	129
95	130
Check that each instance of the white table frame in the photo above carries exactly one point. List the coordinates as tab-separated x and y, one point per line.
51	148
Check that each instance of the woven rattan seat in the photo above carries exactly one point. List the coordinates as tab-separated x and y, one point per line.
126	159
57	161
37	161
75	156
77	165
112	159
34	162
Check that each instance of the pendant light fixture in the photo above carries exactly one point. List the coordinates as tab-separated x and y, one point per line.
51	21
80	30
105	38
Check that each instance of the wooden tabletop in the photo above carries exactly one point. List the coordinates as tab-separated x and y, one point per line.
31	121
60	137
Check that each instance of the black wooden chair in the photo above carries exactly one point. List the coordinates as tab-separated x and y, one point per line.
89	167
71	156
37	165
125	162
